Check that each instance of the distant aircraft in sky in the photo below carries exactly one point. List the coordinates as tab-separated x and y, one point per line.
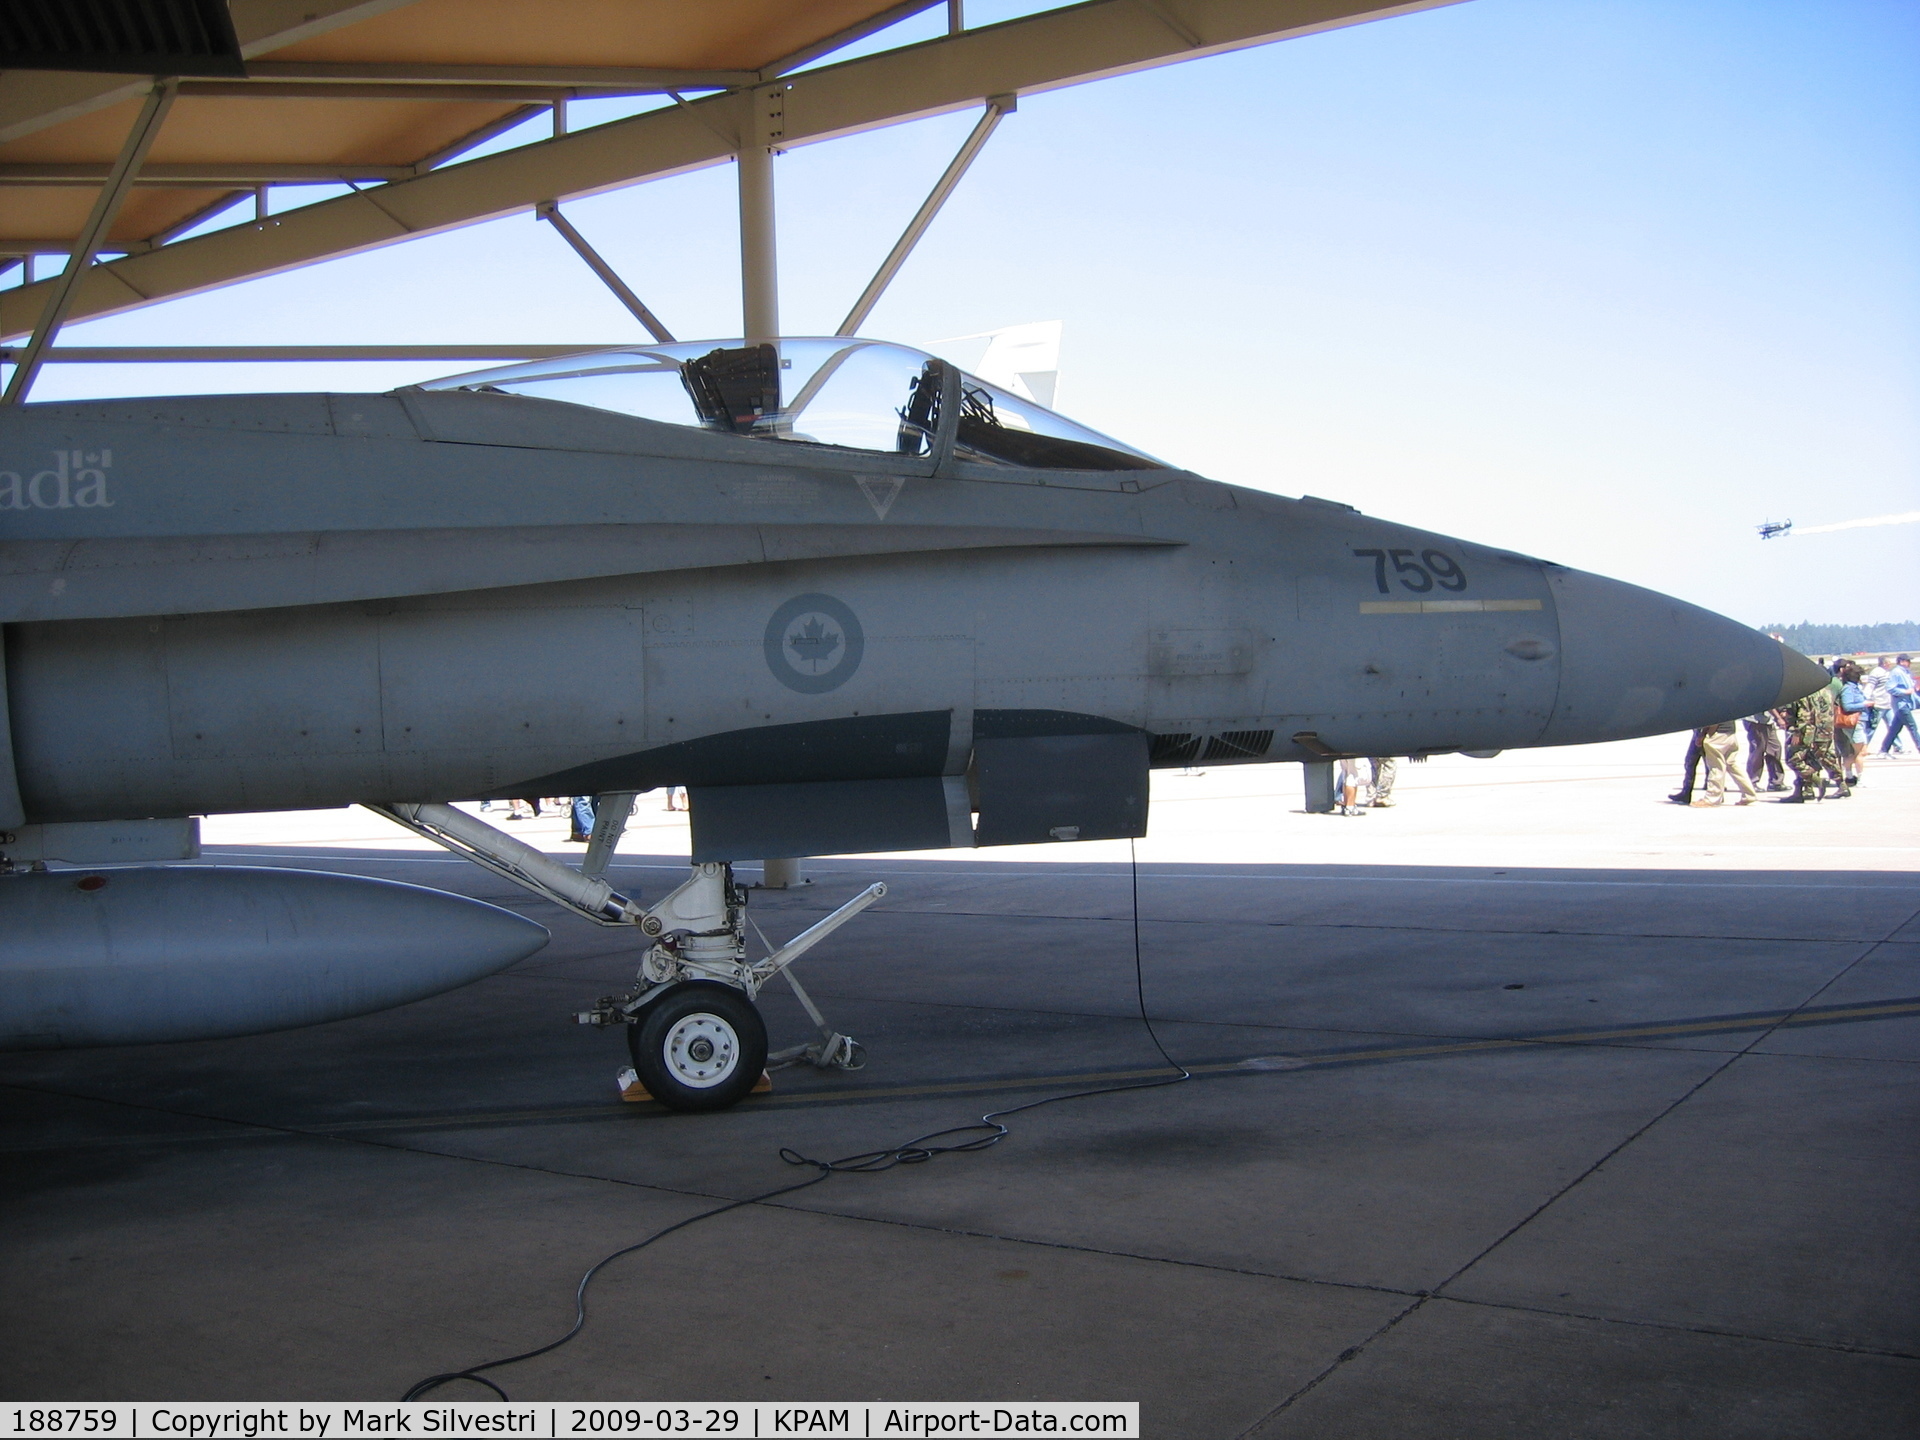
1871	522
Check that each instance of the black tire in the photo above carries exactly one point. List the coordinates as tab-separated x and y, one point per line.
700	1046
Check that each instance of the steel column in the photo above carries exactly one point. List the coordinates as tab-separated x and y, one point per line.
780	874
759	242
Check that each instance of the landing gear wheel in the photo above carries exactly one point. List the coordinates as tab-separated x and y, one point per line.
701	1046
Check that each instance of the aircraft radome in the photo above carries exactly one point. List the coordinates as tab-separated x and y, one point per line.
852	598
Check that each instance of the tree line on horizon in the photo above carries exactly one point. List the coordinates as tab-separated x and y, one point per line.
1810	639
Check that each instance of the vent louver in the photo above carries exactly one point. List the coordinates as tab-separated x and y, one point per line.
1173	750
1239	745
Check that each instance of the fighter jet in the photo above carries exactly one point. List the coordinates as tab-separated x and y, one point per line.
854	599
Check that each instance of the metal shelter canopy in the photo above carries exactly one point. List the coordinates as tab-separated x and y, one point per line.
384	93
365	92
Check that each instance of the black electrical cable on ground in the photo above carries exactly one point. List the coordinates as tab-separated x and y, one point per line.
985	1133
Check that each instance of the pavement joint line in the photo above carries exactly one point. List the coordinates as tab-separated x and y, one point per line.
1804	1007
1438	1291
1288	1277
252	1131
1804	1342
788	1208
1188	1020
978	880
1420	1297
819	1212
1767	1021
1041	1242
853	873
1804	1012
1352	1352
536	902
1146	920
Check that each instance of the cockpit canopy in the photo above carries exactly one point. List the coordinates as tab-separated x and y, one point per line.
864	394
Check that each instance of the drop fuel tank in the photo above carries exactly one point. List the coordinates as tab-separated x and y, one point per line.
129	956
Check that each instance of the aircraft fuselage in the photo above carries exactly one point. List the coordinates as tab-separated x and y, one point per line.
275	602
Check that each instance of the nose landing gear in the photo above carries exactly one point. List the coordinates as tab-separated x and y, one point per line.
697	1041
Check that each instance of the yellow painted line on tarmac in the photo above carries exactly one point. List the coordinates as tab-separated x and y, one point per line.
1313	1060
242	1130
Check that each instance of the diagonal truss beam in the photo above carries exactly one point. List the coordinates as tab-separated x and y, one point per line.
550	212
1036	53
106	205
998	108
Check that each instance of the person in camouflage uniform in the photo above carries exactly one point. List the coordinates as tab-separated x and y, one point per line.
1809	725
1385	767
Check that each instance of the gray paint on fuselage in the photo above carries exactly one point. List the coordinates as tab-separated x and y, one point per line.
1153	599
459	695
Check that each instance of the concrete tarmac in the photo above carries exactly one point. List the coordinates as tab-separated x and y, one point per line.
1533	1106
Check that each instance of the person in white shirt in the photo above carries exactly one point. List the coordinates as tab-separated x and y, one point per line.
1356	774
1878	701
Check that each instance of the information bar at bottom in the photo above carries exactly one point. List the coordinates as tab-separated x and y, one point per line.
350	1420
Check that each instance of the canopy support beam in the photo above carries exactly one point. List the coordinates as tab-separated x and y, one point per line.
549	211
998	106
106	206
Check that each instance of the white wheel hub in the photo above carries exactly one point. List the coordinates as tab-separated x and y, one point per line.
701	1051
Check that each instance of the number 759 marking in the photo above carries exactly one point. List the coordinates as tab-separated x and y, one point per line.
1418	576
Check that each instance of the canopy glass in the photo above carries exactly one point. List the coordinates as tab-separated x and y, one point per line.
864	394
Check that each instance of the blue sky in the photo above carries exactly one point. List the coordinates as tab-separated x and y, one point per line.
1608	282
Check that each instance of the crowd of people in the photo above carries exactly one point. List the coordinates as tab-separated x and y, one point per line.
1363	784
1824	739
578	809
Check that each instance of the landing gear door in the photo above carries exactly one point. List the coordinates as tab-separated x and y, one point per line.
1042	788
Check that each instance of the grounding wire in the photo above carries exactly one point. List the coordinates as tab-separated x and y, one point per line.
982	1134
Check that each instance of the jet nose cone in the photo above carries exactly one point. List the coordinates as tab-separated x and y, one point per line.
1799	676
1635	662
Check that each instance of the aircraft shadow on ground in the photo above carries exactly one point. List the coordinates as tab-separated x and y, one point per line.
990	976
